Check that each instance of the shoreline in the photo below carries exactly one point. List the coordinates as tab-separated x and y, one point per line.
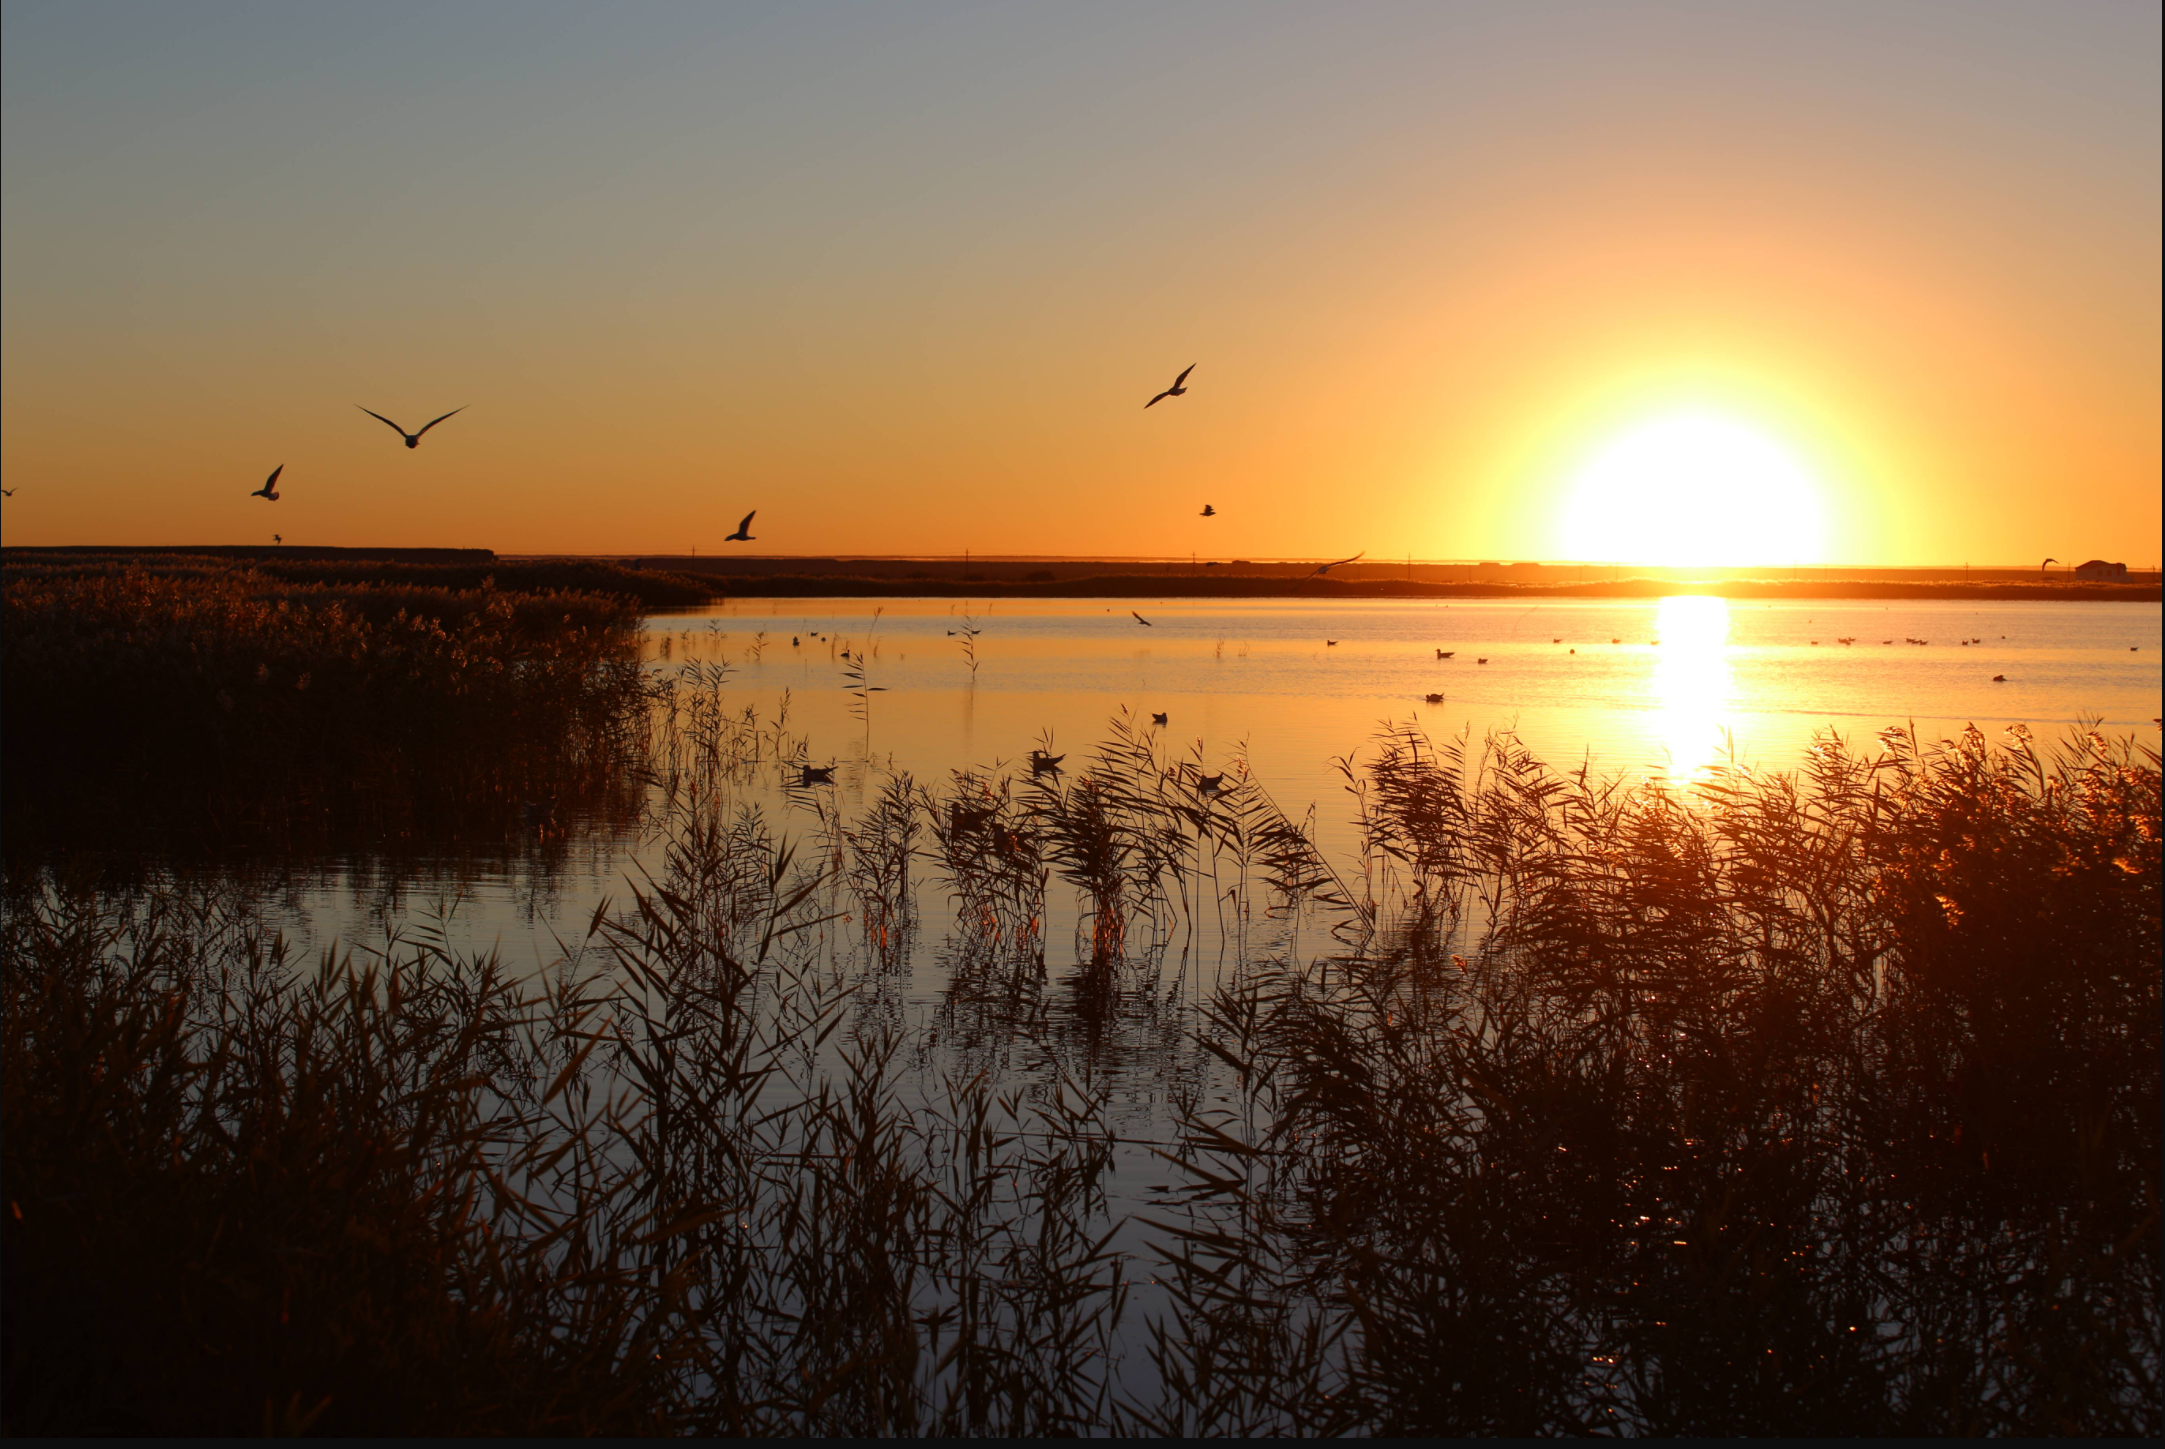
788	586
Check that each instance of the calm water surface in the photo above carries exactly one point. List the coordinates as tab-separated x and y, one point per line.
1644	688
1635	688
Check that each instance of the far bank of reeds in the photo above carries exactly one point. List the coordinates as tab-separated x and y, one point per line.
1815	1104
233	706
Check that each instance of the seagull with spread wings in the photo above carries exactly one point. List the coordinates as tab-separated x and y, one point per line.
1142	621
413	440
270	485
744	529
1323	569
1176	390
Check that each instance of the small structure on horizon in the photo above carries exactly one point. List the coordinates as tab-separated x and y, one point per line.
2097	571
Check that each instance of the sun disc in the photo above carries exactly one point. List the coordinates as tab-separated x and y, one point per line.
1694	489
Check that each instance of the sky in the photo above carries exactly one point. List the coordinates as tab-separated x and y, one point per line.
1871	283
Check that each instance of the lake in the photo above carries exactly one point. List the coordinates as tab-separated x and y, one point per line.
1638	688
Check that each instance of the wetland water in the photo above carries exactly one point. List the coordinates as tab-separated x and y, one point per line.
1634	690
1257	679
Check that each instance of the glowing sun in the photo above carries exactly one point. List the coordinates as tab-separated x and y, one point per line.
1694	488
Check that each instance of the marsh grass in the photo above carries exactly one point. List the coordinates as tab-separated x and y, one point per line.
141	709
1825	1103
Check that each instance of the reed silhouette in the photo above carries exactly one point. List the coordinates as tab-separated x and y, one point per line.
1824	1103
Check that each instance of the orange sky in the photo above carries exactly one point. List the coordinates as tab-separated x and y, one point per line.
901	278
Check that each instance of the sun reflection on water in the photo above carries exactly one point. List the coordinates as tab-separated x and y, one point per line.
1692	682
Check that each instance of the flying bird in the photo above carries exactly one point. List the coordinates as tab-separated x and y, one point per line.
744	529
2041	567
1141	620
968	822
1208	512
1323	569
10	493
270	485
413	440
1176	390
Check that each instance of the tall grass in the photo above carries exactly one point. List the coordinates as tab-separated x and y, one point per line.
139	709
1816	1103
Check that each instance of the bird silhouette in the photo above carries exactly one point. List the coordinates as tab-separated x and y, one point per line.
1482	660
413	440
270	485
1157	719
1208	512
1432	698
968	822
1044	764
1330	643
1334	563
1176	390
815	775
1211	784
278	538
1141	620
2041	567
1999	679
1446	653
744	529
10	493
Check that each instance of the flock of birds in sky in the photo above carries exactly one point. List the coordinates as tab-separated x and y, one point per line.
269	490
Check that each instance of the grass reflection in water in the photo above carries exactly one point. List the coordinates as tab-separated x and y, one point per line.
1818	1103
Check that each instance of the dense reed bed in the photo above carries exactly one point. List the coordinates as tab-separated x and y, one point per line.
652	589
140	708
1824	1103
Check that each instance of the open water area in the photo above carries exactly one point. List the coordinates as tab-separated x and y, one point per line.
1291	693
1641	689
1656	689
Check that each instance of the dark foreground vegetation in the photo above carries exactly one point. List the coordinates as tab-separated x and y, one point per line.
195	703
1825	1104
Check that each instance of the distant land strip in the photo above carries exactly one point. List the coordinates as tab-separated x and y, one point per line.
678	581
1236	586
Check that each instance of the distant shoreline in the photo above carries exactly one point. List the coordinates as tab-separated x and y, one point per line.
1325	590
680	582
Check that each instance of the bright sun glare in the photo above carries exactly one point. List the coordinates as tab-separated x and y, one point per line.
1694	488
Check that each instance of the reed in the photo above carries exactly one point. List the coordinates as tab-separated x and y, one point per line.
234	708
1814	1103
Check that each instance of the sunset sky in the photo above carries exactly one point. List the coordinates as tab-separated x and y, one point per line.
1731	282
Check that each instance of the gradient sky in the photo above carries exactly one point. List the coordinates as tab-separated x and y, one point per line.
901	276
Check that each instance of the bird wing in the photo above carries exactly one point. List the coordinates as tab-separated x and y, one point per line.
746	525
379	417
453	413
1161	397
1183	374
1334	563
268	482
1141	620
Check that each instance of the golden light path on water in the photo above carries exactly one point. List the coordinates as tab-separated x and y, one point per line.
1693	683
